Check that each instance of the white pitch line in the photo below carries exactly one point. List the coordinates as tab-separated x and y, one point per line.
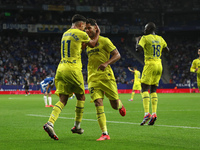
14	98
180	110
117	122
133	111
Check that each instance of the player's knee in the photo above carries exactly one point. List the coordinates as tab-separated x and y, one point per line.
98	102
80	97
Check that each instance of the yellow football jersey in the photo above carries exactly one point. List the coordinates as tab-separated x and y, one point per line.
71	44
196	64
99	55
137	77
152	46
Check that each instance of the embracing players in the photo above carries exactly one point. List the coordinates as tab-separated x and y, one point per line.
69	77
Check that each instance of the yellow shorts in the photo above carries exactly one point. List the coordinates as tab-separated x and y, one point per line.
68	82
98	88
152	72
137	86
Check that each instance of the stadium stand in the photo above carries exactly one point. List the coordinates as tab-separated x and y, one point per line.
27	52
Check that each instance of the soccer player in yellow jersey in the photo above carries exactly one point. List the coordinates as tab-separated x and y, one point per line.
195	68
101	79
137	82
69	78
152	45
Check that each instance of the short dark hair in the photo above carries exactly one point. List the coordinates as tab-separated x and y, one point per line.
151	26
135	67
78	17
91	21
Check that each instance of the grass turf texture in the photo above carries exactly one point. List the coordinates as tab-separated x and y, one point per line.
177	126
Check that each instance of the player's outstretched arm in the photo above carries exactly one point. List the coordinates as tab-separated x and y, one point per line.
93	41
130	69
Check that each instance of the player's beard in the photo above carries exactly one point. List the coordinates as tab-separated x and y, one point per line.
92	34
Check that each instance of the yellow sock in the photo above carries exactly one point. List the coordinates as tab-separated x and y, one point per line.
146	99
79	110
56	112
154	102
101	117
120	104
132	95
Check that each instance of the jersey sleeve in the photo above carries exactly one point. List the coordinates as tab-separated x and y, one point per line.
193	66
142	42
109	46
85	38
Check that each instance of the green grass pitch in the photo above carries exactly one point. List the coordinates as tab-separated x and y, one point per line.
177	126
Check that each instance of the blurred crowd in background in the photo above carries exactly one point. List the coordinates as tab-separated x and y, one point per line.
34	56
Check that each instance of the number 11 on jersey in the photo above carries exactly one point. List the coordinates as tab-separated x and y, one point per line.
68	42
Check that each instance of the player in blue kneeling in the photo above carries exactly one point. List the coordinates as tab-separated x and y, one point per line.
46	86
